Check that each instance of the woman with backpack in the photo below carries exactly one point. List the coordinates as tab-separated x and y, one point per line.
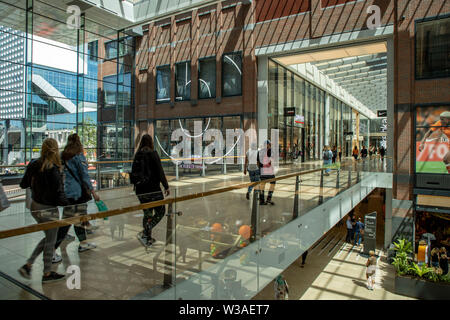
147	174
78	189
44	177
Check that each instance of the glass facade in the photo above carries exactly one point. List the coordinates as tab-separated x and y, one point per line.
324	119
56	79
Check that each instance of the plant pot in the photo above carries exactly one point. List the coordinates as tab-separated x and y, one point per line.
421	289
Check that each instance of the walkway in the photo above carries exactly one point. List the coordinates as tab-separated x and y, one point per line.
120	268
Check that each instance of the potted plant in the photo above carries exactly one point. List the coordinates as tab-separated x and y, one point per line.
418	281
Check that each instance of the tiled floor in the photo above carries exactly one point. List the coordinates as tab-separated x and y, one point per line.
120	268
335	270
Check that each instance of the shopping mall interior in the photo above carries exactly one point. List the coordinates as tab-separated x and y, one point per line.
351	97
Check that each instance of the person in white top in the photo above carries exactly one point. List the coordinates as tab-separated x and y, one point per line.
267	172
251	165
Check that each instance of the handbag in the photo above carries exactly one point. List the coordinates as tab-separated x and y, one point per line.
4	202
85	191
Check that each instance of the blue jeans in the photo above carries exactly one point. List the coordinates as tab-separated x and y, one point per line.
254	176
358	237
327	163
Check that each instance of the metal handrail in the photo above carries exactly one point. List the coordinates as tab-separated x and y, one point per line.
99	215
131	161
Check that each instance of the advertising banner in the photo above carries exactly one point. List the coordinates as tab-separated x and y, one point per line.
432	139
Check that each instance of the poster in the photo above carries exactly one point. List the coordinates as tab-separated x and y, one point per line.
432	139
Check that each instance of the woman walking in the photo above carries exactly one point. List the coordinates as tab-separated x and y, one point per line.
78	189
147	174
44	177
355	153
371	265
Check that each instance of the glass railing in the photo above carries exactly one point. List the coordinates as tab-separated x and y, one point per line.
211	243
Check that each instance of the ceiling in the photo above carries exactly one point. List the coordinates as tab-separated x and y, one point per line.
360	70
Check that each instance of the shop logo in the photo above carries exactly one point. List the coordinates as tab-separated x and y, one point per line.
73	281
74	20
374	21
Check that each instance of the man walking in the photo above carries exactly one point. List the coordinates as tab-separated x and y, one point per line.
359	230
349	225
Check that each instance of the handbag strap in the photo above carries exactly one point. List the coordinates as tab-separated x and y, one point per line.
72	174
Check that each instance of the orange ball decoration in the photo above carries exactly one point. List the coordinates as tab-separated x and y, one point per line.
217	227
245	231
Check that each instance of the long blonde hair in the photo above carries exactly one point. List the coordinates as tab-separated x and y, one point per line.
50	154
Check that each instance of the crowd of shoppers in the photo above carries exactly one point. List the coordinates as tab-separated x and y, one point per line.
62	180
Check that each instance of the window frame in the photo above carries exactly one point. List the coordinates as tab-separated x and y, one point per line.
222	75
190	79
215	76
416	22
118	47
156	83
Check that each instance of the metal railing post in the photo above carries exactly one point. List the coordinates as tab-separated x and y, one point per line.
321	188
168	263
296	203
255	214
337	179
99	184
203	168
349	176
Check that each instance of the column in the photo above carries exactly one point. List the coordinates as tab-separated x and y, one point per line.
327	119
263	96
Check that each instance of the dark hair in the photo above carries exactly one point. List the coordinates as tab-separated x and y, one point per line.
73	147
146	141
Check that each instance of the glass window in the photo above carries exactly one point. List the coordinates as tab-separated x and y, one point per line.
125	47
232	74
111	50
183	80
433	49
207	78
163	84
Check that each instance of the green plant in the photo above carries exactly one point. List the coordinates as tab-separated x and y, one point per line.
401	263
444	278
420	271
403	245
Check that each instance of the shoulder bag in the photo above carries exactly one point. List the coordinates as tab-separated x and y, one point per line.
85	191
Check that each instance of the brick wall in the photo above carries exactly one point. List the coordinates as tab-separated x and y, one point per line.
232	26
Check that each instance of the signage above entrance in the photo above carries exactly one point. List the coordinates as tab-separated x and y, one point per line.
299	120
289	112
381	113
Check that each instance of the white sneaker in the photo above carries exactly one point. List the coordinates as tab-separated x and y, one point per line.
56	258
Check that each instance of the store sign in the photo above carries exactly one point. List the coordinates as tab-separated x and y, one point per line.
289	112
299	120
370	232
381	113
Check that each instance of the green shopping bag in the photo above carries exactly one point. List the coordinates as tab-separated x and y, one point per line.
101	206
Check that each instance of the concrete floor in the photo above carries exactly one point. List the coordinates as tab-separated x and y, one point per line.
120	267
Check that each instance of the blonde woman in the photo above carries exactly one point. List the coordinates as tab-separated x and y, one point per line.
44	177
371	265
